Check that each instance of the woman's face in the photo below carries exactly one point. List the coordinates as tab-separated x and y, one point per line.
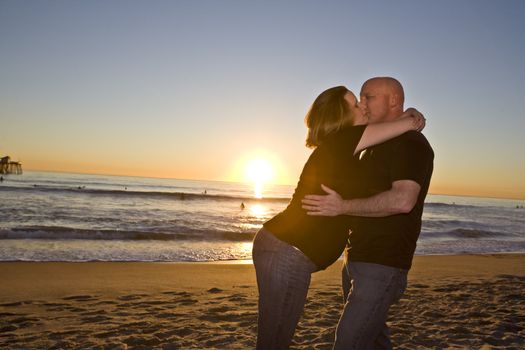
355	109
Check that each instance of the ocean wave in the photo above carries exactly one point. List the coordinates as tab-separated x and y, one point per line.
473	233
144	194
446	223
448	205
184	195
460	233
66	233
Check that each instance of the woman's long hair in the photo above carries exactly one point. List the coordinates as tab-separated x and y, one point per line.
329	113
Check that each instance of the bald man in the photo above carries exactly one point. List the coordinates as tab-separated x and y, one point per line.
395	176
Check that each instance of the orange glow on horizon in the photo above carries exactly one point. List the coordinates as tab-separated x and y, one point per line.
458	186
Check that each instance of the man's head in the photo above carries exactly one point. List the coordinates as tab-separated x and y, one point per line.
382	99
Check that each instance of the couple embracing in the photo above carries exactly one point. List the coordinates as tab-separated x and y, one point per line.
363	188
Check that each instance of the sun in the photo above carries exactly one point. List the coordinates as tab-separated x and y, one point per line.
259	171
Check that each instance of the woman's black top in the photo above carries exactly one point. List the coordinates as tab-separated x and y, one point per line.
333	164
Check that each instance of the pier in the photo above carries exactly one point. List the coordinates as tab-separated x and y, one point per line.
9	167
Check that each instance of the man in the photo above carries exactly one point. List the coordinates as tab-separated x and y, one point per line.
395	176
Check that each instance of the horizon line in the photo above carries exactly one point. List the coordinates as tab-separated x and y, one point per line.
246	182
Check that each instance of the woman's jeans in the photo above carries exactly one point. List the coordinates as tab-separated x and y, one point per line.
283	277
369	291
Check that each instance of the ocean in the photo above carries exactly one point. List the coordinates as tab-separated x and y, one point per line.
76	217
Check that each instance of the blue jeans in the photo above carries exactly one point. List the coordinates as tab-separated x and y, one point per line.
369	291
283	277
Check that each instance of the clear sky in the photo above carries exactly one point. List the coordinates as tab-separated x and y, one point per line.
195	89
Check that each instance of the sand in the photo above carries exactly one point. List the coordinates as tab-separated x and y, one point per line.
457	302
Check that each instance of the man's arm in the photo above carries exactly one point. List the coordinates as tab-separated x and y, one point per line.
400	199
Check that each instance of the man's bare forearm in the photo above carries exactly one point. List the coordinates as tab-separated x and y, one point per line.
401	199
380	205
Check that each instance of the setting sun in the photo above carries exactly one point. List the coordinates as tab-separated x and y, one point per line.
260	167
259	171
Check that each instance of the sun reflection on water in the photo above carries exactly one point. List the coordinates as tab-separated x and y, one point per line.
257	190
258	210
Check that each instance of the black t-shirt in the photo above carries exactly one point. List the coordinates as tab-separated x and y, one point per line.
392	240
332	163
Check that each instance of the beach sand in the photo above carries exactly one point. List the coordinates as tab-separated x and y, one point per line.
458	302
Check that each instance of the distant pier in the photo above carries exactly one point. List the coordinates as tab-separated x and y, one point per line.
9	167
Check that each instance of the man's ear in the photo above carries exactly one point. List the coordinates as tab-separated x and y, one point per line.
394	100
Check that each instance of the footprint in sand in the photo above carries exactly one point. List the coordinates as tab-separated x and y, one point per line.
106	334
96	319
105	302
237	297
8	328
80	298
18	303
23	321
142	342
182	332
94	313
188	301
219	309
132	297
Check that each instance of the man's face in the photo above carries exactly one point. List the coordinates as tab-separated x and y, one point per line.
375	100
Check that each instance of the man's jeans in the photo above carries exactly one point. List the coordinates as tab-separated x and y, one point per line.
283	277
369	290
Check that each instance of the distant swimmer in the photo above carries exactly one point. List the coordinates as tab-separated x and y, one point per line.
205	192
242	205
1	179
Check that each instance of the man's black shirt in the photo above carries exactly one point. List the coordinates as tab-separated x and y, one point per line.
392	240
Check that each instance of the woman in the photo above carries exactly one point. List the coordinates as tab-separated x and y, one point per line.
293	245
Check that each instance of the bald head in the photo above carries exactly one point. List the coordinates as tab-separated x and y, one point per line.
382	99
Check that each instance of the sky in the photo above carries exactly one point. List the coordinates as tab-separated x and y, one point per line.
197	89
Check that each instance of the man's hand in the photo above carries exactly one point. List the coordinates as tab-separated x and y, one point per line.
418	120
324	205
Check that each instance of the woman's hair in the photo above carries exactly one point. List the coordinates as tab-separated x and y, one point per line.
329	113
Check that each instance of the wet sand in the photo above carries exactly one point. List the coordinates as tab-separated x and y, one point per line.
457	302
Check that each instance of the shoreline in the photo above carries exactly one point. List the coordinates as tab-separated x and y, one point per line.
232	261
459	301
